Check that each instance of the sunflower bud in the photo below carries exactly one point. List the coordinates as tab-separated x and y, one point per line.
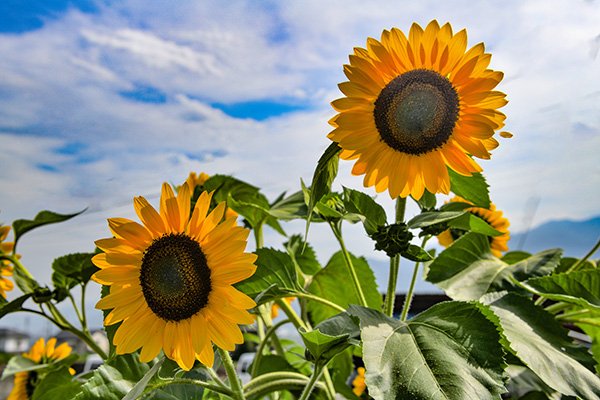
393	239
433	230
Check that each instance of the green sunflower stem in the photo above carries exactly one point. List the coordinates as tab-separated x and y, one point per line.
390	296
234	380
259	352
321	300
411	288
258	236
312	382
585	258
67	326
291	314
337	231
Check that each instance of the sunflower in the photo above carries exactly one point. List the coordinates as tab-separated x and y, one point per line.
275	307
40	353
170	279
194	180
358	384
492	216
6	269
415	107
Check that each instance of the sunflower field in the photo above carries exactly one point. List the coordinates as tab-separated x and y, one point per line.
182	294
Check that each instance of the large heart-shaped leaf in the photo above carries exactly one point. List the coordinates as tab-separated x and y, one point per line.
473	188
467	270
451	351
334	284
580	287
275	277
542	344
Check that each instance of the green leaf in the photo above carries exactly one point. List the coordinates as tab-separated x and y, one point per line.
23	364
467	269
451	351
139	387
513	257
113	380
417	254
303	255
427	201
580	287
323	346
71	270
57	385
225	186
364	206
334	284
543	345
429	218
255	208
472	223
325	173
22	226
275	277
273	363
14	306
177	391
567	262
472	188
289	208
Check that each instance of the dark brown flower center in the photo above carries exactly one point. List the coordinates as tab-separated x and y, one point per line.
175	277
416	112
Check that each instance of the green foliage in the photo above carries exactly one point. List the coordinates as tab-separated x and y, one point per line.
542	344
450	351
23	364
325	173
581	287
22	226
71	270
467	269
58	384
370	213
14	306
275	277
472	188
114	379
334	284
302	255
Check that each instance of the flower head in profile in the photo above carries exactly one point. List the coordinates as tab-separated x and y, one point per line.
494	217
415	106
40	353
171	279
6	269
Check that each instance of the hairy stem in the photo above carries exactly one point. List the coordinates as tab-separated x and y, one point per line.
390	296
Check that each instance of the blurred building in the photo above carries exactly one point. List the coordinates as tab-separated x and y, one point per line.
13	341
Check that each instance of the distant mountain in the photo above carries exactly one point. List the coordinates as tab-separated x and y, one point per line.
576	238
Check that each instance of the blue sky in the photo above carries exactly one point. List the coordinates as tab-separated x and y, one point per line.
104	100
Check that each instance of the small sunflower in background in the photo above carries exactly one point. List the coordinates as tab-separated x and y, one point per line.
171	279
494	217
194	181
359	386
40	353
416	106
275	306
6	269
